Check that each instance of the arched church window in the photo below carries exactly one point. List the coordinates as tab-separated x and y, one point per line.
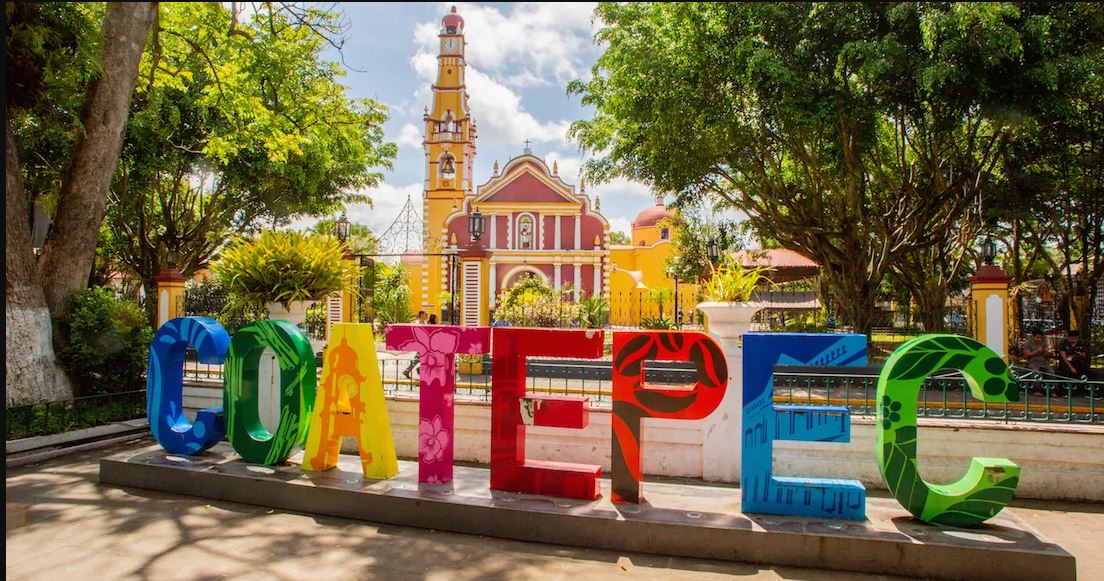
525	233
447	166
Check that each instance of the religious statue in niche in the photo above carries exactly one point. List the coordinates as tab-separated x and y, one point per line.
448	166
525	233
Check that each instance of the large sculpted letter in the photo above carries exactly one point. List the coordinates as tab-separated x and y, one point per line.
512	410
350	402
989	483
297	384
633	400
165	389
437	345
764	422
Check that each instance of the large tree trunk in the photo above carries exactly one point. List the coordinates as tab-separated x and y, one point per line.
71	244
36	292
33	374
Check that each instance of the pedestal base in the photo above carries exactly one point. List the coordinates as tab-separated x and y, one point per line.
678	519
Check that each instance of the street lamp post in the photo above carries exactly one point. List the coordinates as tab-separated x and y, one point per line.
341	228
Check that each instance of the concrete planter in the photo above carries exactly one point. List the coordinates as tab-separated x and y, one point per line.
723	429
268	372
296	314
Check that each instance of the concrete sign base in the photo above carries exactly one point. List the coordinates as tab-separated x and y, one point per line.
682	520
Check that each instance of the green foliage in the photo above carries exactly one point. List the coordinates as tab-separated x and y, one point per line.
361	239
660	322
594	312
211	298
105	342
530	303
53	53
234	126
281	267
618	237
391	299
850	132
733	283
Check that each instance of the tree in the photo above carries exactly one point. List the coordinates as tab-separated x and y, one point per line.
361	238
852	133
37	287
236	125
619	237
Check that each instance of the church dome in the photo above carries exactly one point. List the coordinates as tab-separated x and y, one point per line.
453	21
650	216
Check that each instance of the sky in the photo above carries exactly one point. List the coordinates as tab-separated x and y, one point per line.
520	57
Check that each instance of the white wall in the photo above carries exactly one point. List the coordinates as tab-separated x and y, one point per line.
1058	462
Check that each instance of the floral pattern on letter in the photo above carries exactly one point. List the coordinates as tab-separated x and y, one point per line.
438	346
432	439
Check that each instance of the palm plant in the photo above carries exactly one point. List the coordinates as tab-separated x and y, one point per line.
732	282
284	267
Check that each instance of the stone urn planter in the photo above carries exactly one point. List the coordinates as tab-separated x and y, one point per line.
723	429
268	372
296	314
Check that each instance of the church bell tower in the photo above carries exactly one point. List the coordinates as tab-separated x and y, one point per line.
450	155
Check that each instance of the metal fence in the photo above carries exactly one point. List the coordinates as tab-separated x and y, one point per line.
73	414
1043	398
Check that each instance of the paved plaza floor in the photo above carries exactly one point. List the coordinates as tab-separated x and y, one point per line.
61	524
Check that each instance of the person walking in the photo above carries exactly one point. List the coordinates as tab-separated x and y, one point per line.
423	317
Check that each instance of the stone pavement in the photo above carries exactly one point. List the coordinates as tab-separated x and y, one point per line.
61	524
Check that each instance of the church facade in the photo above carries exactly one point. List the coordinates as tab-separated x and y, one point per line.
534	224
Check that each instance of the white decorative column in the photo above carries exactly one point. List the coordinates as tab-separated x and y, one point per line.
723	429
494	231
557	270
558	246
578	280
578	232
597	289
540	232
492	284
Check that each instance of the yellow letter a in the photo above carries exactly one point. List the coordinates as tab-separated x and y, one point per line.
350	403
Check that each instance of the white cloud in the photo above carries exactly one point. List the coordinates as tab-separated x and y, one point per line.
410	136
546	40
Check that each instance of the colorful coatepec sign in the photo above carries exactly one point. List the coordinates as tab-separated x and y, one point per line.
165	384
437	347
634	400
764	422
989	483
350	402
297	384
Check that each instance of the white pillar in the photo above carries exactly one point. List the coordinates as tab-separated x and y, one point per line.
597	291
492	284
540	233
494	231
577	281
578	232
509	231
558	246
723	429
557	269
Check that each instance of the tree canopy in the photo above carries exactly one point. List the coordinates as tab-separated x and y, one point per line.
852	133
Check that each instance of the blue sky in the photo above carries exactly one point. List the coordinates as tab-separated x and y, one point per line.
520	58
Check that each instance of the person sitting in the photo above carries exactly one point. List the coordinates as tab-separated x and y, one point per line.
433	319
1073	358
1036	353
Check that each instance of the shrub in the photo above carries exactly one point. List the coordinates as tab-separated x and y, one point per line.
660	322
211	298
282	267
530	303
594	312
105	342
